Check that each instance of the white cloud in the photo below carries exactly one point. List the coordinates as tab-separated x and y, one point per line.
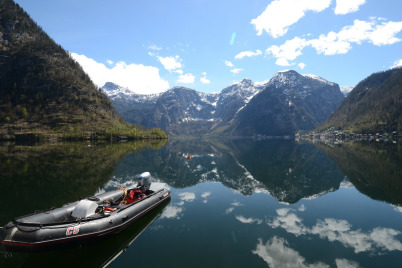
229	210
172	212
287	52
378	32
178	71
186	196
301	65
229	64
204	80
396	208
110	62
248	54
343	263
280	14
361	31
186	79
205	195
288	221
277	253
384	34
236	71
348	6
170	63
154	47
248	220
330	45
136	77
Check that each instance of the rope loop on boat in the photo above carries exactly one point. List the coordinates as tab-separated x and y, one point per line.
125	193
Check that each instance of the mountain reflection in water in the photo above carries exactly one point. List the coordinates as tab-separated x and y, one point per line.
287	170
235	203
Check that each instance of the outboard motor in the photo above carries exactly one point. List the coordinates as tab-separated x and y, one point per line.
144	181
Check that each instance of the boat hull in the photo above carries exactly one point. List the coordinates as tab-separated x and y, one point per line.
20	235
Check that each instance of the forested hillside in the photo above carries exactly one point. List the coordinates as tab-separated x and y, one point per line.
374	105
43	91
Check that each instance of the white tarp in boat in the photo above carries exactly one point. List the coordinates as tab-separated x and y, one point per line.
84	208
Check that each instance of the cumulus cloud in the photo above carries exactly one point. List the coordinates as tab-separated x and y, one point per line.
229	64
280	14
236	71
186	79
248	54
277	253
170	63
348	6
138	78
204	80
376	31
301	65
287	52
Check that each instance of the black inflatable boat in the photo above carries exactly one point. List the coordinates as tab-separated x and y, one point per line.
79	222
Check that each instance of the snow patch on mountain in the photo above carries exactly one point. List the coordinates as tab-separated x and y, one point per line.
346	90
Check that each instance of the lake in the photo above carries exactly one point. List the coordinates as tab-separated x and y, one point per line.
235	203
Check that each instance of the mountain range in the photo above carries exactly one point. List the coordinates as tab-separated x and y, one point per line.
288	102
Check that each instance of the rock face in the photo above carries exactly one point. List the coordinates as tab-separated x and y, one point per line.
287	103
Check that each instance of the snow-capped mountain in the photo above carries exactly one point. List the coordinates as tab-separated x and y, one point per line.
115	92
182	110
289	102
346	90
179	108
235	97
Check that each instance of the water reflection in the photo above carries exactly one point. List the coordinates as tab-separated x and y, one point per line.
49	175
235	203
287	170
375	241
375	169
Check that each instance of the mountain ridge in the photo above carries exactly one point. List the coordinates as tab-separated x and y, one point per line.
214	113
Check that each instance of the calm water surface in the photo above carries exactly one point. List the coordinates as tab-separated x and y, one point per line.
235	203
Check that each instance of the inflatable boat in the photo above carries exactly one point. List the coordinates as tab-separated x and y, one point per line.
87	219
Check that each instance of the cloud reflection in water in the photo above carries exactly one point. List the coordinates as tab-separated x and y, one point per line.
375	241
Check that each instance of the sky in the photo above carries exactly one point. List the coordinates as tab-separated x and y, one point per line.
151	46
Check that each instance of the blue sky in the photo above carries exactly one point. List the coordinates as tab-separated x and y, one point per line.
151	46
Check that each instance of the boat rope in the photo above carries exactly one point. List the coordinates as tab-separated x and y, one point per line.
125	193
